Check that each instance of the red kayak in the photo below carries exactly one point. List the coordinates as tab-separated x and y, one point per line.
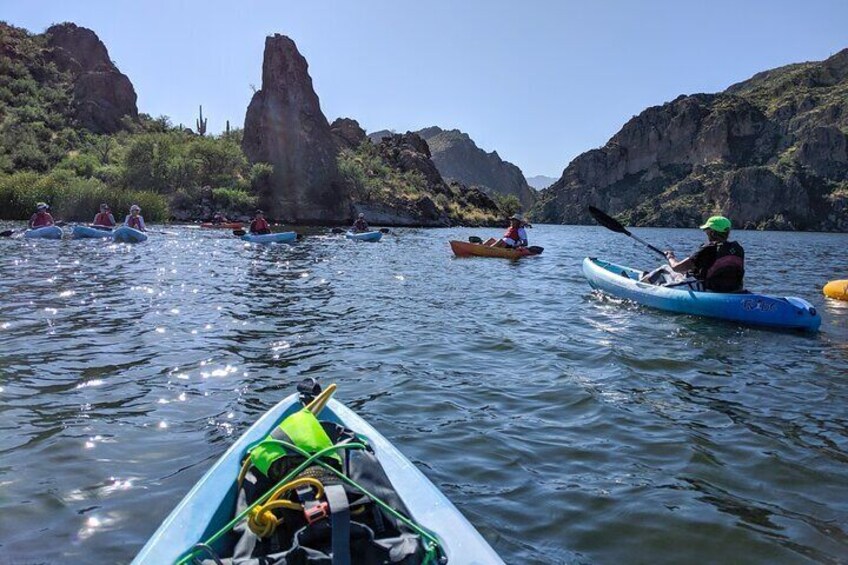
227	226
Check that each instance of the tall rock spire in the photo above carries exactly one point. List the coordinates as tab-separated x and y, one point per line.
285	127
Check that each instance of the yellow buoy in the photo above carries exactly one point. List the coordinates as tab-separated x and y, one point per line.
837	289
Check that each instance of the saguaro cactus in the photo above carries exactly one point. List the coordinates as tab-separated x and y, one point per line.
228	128
201	123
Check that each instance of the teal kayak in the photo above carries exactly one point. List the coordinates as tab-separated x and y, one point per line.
126	234
364	236
744	307
211	503
282	237
83	232
47	232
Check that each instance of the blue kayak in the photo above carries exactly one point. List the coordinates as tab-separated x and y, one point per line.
126	234
745	307
282	237
47	232
364	236
210	503
83	232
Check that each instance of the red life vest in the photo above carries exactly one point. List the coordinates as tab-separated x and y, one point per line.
512	233
102	219
41	219
728	270
260	224
134	222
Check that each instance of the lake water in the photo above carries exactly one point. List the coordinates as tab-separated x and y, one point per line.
566	426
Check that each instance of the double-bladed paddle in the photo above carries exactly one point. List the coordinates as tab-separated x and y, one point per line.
614	225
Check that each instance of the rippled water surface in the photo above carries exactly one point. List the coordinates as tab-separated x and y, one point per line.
566	426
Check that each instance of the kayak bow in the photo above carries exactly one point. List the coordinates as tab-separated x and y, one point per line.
209	505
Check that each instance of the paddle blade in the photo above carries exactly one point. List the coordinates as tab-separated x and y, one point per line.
474	239
535	249
6	233
239	233
384	230
607	221
337	230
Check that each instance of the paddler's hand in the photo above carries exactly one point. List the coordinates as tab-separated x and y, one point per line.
669	254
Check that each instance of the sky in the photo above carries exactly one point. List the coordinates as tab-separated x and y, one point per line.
538	81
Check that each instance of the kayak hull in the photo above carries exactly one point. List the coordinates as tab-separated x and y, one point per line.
282	237
126	234
747	308
836	289
364	236
88	232
465	249
227	226
47	232
210	503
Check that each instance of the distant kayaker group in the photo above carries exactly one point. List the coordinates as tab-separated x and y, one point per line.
102	220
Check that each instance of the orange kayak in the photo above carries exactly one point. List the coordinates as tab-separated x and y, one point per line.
227	226
465	249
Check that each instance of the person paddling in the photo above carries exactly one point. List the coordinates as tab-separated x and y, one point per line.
259	225
135	220
718	265
219	219
42	217
515	235
104	218
360	225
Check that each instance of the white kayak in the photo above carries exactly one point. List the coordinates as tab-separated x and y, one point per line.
210	503
47	232
126	234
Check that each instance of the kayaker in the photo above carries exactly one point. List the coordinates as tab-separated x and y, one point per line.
515	235
360	225
259	225
42	217
219	219
718	265
104	218
134	219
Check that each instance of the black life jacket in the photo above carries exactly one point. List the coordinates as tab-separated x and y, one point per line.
727	272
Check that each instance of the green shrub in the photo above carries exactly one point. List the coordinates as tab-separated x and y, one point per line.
233	200
71	198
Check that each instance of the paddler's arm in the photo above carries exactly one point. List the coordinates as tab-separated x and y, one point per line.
679	266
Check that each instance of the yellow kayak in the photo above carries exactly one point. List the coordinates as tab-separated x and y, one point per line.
837	290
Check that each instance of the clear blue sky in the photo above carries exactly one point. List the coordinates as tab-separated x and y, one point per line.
540	82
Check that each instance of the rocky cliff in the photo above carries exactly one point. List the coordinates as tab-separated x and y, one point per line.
458	158
769	152
396	182
285	127
102	95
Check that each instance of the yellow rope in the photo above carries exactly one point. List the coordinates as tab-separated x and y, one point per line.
262	521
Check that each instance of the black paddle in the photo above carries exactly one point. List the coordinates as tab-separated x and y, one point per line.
474	239
239	233
535	249
384	230
614	225
337	230
7	233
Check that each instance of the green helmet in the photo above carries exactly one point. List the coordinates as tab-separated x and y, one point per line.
718	224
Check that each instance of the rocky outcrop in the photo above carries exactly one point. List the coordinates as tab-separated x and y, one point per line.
377	136
347	133
285	127
409	152
458	158
396	183
102	96
769	152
